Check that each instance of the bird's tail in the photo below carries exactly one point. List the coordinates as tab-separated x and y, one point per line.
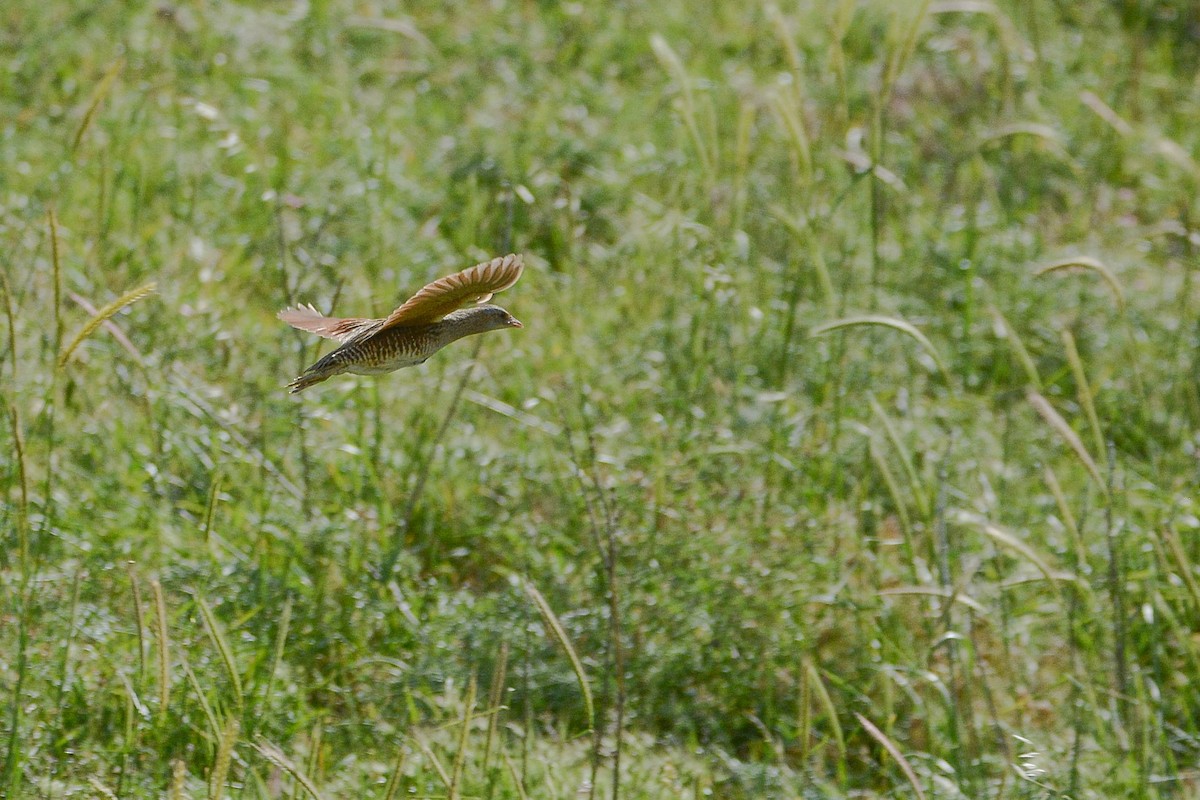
332	364
309	378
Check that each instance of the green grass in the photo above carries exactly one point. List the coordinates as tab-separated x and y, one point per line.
849	449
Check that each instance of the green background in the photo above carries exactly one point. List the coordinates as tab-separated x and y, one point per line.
849	448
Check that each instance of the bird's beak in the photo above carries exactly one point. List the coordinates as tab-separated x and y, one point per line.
513	322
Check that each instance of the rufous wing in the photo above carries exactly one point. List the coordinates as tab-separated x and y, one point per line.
474	285
307	318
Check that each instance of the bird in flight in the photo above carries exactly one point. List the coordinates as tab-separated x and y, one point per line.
423	324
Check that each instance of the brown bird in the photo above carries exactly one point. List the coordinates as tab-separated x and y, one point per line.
423	324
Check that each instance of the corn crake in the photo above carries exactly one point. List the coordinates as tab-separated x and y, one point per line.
425	323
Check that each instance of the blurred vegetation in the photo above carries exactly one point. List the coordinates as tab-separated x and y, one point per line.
849	449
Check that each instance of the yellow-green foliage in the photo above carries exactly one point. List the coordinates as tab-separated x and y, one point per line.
850	442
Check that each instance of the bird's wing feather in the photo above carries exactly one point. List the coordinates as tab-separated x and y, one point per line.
307	318
474	285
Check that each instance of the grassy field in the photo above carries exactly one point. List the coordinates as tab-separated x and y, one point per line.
849	448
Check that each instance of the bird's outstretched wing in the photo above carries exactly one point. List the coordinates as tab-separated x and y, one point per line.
307	318
474	285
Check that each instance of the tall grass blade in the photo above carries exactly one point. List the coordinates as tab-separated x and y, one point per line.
1019	547
1090	264
18	442
1117	592
886	322
806	239
434	760
220	769
13	772
276	756
1175	153
893	751
217	634
1006	32
102	788
495	704
747	114
314	748
65	664
674	66
10	315
138	620
214	727
787	40
1014	339
1083	389
1068	519
1049	137
214	492
1060	426
178	790
460	755
785	110
101	91
804	726
1105	112
397	778
518	784
920	493
560	635
813	676
132	296
893	487
164	651
903	39
953	595
285	620
134	706
56	262
1184	563
110	326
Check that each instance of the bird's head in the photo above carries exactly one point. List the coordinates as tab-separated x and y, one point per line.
488	318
